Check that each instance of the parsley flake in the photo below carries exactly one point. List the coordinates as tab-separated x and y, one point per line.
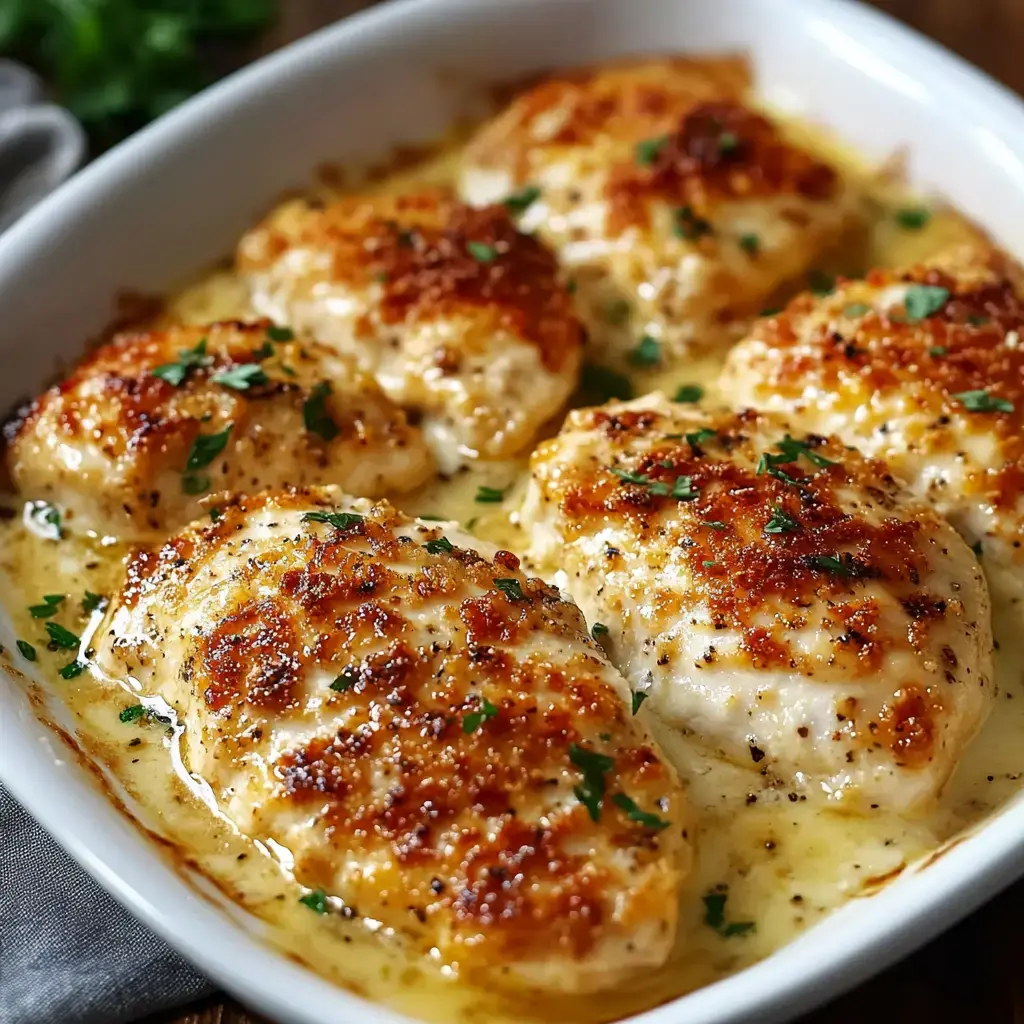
339	520
92	602
315	416
841	564
688	394
689	226
683	489
983	401
598	385
977	548
511	588
482	252
242	377
750	244
72	669
856	309
316	900
489	495
790	451
646	353
345	680
475	719
44	519
188	360
522	200
698	437
821	283
781	522
594	767
28	652
938	351
61	638
598	629
195	483
132	713
714	916
646	151
913	218
638	699
206	447
923	300
714	524
441	546
728	142
633	812
279	333
49	607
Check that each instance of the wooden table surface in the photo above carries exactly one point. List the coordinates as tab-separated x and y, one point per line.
974	973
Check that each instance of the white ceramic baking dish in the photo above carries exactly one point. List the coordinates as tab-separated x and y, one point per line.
177	195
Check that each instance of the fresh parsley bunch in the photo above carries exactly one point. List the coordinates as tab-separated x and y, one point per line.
117	64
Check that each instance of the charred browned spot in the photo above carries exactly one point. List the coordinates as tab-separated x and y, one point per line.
252	655
491	618
910	725
325	595
718	151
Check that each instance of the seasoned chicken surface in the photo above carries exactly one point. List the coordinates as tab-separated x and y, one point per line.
677	207
773	593
458	316
922	367
149	425
431	734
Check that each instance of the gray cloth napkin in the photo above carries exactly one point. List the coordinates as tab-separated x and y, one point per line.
69	953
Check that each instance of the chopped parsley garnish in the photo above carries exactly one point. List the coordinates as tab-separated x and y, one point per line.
49	607
276	333
315	417
976	548
683	489
688	394
982	401
215	514
638	699
315	900
634	813
938	351
821	283
617	312
714	916
781	522
195	483
790	450
640	479
977	321
345	680
475	719
188	359
441	546
771	311
91	602
482	252
522	200
598	629
594	767
60	637
698	437
728	142
913	218
646	150
44	519
855	309
570	286
708	564
489	495
714	524
206	447
750	244
598	385
511	588
242	377
339	520
841	564
689	226
72	669
924	299
646	353
28	652
132	713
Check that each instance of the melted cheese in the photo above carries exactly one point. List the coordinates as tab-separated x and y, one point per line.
785	863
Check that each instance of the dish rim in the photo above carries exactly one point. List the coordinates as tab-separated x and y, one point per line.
918	906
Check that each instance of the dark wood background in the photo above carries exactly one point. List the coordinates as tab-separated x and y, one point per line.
974	973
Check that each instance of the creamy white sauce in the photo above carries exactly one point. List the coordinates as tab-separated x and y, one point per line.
785	863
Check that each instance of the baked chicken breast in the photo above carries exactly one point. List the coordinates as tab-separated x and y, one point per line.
431	734
773	593
676	205
458	315
924	368
149	425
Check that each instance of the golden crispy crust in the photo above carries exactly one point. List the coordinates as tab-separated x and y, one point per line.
458	825
970	343
433	257
764	537
717	151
